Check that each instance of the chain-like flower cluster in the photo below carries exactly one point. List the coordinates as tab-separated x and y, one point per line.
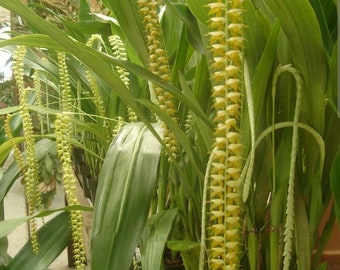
64	83
31	166
63	133
16	151
119	52
96	96
38	96
226	41
158	64
97	99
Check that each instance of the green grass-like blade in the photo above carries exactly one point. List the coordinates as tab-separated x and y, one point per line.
335	184
302	240
180	135
192	29
130	22
88	56
303	32
8	226
100	64
53	237
262	76
326	35
42	147
4	257
306	47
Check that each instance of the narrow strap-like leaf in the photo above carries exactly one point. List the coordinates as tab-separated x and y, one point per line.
53	237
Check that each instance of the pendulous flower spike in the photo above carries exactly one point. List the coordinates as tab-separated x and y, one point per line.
63	133
226	43
30	165
158	64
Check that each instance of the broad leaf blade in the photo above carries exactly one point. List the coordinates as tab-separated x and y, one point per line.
200	9
126	186
154	239
190	252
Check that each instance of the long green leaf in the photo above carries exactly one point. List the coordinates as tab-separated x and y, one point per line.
130	22
126	186
53	237
154	238
100	64
302	30
9	110
4	257
8	226
91	58
332	87
189	251
190	22
205	130
262	75
303	245
326	35
6	148
180	135
257	31
335	184
199	9
42	147
304	35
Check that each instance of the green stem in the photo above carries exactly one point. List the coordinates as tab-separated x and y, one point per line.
204	211
251	112
274	239
253	248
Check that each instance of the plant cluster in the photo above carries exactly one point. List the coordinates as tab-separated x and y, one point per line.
205	132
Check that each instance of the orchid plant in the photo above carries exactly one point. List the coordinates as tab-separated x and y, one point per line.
210	127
